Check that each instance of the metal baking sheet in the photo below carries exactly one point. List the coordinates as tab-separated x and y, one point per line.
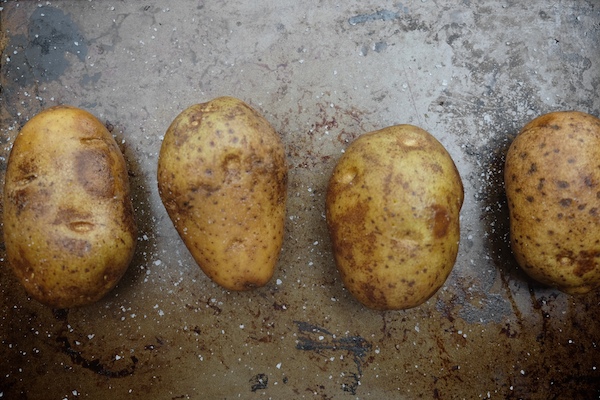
323	72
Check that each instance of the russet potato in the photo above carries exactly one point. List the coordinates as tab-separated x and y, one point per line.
69	228
392	209
222	177
552	179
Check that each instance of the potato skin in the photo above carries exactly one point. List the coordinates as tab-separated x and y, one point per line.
552	181
222	177
393	205
68	220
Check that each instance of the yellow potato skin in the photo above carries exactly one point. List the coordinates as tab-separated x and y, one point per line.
69	228
222	177
392	209
552	181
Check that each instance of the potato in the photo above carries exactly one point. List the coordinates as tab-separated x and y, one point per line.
222	177
552	181
69	228
393	205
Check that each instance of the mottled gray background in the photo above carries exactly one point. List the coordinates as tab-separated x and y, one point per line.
322	72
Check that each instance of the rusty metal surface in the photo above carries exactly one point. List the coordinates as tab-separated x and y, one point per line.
322	72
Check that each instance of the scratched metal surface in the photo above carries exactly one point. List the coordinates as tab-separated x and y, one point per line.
322	72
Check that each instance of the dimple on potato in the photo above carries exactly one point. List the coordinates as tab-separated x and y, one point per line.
552	181
222	177
392	208
69	227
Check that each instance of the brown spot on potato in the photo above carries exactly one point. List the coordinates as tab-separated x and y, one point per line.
92	167
565	202
436	168
375	296
232	166
532	169
20	198
541	183
441	221
77	247
586	262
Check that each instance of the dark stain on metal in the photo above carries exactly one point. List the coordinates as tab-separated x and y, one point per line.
94	365
52	33
381	15
326	340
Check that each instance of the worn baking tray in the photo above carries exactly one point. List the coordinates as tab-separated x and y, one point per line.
323	73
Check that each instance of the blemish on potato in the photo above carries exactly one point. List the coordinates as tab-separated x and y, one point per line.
541	183
441	221
532	169
565	202
94	172
78	247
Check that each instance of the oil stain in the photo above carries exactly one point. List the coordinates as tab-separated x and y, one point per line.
40	55
317	339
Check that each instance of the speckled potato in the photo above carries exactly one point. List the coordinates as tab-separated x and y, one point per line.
393	206
552	179
222	176
68	220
